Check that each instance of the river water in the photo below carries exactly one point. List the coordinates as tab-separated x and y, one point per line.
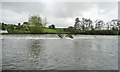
45	52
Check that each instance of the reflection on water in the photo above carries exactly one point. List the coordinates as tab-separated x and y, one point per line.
35	48
61	54
36	53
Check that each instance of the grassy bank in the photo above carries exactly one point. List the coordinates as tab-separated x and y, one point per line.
62	31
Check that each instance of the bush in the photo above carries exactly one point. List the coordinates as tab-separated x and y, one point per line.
52	26
102	32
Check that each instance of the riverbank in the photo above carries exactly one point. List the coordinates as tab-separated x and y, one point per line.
54	33
37	30
50	31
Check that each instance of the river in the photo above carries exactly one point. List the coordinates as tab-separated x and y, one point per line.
49	52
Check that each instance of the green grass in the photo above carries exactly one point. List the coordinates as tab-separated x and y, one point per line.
47	30
36	30
53	31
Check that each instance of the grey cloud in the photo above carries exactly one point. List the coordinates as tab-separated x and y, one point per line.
24	6
119	10
0	11
59	9
108	6
70	9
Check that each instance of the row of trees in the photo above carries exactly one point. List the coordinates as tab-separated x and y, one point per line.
88	24
36	24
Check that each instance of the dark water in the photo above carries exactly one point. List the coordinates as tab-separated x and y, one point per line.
0	53
44	52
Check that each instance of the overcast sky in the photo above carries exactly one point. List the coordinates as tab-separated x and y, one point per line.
62	14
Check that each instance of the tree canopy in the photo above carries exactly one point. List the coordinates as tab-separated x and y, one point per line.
35	20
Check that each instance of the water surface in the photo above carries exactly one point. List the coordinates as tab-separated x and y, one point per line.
44	52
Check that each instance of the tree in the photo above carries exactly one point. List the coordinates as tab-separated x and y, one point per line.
35	24
99	24
35	21
19	24
70	29
118	24
77	20
87	24
107	26
77	23
114	23
25	22
4	26
83	27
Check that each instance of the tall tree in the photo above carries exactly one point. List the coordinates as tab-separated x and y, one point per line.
77	24
118	24
35	24
87	24
114	24
99	24
35	20
19	24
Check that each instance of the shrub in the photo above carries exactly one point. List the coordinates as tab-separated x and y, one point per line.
52	26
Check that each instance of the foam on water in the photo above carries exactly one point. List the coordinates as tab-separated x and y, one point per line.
56	37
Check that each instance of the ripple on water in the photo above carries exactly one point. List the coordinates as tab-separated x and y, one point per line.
44	52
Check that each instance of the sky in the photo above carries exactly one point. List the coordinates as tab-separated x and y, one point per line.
61	14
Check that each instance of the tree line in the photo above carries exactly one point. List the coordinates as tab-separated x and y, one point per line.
36	24
87	26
